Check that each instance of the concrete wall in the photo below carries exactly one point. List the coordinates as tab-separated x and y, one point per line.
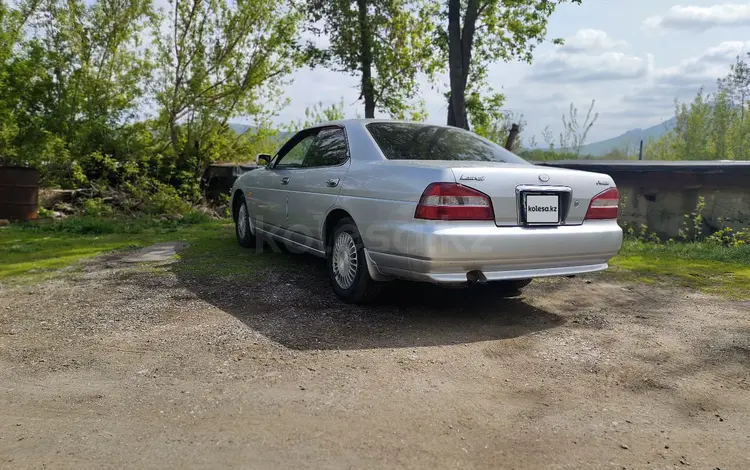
659	194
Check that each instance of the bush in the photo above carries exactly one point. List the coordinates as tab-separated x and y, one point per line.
43	213
96	207
692	224
195	217
728	237
640	233
691	231
166	200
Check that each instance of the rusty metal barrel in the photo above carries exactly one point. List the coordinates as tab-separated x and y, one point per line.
19	193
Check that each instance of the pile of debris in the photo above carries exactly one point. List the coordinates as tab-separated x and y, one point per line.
61	202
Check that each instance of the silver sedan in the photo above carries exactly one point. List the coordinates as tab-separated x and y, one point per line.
381	200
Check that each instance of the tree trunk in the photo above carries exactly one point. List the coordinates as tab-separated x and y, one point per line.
457	99
173	135
451	116
460	42
512	135
368	90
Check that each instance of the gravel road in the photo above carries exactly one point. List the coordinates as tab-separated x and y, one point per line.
133	366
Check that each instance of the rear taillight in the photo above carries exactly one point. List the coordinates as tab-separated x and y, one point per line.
451	201
604	205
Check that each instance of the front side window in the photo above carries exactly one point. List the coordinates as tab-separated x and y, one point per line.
314	148
411	141
293	157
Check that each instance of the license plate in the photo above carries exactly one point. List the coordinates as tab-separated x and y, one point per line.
542	209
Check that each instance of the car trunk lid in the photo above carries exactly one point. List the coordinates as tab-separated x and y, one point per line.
521	194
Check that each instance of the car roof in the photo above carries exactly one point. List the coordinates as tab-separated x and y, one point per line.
363	121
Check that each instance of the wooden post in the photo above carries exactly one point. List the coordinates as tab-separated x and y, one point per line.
512	135
640	152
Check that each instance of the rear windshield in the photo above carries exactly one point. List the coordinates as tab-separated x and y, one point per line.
407	141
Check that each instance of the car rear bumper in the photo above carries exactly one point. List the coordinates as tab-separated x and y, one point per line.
445	253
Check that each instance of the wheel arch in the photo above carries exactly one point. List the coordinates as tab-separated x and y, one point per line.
332	218
237	198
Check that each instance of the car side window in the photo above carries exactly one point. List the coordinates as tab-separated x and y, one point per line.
329	149
294	157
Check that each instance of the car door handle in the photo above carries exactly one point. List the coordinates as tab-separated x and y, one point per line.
285	180
332	183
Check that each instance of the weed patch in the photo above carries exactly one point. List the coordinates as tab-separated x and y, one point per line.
707	267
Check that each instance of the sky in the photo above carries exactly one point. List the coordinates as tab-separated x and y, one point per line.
634	57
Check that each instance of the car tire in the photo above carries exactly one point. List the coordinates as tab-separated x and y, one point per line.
243	227
347	266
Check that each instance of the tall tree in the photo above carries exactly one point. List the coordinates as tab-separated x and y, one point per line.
691	128
480	32
77	75
736	87
723	114
13	19
384	42
220	59
97	58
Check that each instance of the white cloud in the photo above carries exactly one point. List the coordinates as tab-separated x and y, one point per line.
591	40
704	69
701	18
588	56
656	97
630	91
682	81
562	67
726	51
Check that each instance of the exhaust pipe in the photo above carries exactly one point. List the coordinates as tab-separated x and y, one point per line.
476	277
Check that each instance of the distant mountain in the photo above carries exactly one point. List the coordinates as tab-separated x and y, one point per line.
630	139
239	128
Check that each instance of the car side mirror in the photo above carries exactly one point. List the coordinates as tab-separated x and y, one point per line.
263	159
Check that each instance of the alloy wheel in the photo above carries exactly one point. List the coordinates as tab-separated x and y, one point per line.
345	262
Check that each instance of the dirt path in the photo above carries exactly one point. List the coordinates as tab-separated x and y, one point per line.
125	366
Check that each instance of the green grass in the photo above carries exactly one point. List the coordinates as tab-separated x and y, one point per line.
706	267
34	251
218	256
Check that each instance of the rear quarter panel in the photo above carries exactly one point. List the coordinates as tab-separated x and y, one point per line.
381	195
382	198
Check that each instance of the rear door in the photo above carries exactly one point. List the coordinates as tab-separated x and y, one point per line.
313	189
